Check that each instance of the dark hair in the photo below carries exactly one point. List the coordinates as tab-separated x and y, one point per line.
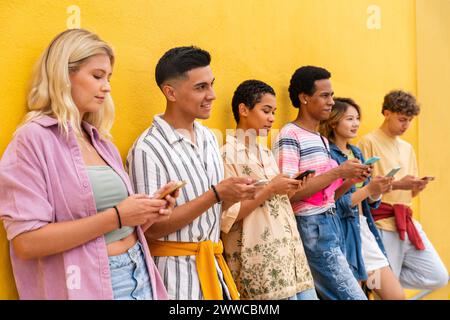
401	102
302	81
249	93
177	61
326	127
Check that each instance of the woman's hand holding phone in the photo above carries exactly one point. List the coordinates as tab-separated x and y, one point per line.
282	184
380	185
168	193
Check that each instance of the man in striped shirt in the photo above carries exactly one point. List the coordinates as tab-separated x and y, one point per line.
186	247
300	147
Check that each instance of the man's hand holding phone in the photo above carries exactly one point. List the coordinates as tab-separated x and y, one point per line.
410	182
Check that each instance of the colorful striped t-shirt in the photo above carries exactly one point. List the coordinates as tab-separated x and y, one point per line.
297	150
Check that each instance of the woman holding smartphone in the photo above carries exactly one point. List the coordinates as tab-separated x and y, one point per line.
76	229
261	242
364	249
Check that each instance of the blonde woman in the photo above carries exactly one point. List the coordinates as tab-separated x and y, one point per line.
75	227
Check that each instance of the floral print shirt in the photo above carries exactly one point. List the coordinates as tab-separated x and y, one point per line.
264	251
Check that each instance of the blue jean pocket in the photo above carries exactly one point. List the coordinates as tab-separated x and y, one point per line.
318	234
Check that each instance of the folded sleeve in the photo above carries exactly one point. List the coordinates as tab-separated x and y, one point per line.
366	148
230	215
146	173
287	151
413	160
24	204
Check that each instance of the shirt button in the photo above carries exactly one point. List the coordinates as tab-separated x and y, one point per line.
85	184
105	271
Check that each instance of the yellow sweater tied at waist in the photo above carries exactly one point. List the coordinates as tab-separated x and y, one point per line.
205	252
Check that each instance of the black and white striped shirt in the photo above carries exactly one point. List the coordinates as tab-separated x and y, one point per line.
160	155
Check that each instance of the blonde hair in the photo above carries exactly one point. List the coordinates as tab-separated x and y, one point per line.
327	127
50	92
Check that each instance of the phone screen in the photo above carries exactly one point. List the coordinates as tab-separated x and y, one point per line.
261	182
304	174
371	160
393	172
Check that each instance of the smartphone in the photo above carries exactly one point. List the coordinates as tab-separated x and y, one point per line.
371	160
304	174
177	186
393	172
261	182
429	178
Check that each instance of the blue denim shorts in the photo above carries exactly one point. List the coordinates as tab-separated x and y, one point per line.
322	240
129	275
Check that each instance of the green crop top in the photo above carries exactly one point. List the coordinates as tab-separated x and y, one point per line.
109	190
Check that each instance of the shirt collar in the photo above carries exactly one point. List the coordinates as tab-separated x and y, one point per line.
168	131
47	121
239	146
171	134
91	130
355	151
335	148
384	134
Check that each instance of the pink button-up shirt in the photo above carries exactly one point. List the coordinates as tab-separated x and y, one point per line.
43	179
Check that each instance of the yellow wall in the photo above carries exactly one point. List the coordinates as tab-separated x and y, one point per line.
433	70
263	39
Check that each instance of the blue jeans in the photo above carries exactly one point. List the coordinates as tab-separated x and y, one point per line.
129	275
308	294
322	240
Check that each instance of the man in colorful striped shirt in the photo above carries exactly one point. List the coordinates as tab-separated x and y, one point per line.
300	147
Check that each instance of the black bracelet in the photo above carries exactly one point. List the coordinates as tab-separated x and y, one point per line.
216	193
118	217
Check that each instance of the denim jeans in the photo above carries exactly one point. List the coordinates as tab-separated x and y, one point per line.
129	275
322	240
308	294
